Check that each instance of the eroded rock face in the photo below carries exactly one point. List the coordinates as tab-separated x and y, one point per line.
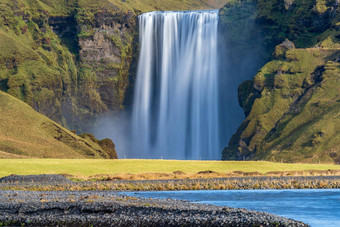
99	48
108	51
103	52
295	116
71	66
107	147
284	102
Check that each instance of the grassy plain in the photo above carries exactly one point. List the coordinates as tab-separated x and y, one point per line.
86	168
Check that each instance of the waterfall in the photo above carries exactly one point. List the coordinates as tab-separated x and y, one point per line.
175	110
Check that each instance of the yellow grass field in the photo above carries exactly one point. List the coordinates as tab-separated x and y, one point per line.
88	167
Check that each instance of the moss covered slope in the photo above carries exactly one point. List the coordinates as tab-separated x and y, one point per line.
73	60
294	109
24	133
36	65
292	105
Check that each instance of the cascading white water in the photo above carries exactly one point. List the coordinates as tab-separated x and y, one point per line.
175	109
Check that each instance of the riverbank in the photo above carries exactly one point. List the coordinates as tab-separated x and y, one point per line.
107	208
61	183
54	200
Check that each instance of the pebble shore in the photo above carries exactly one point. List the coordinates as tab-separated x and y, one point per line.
60	183
109	208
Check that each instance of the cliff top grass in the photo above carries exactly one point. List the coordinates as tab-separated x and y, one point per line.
66	7
84	168
152	5
25	133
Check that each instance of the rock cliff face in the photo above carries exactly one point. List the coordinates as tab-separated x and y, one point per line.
105	56
71	66
109	52
74	60
292	104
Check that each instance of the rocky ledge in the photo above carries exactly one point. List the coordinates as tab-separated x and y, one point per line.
108	208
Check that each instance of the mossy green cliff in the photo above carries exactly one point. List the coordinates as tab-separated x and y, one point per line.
292	105
73	60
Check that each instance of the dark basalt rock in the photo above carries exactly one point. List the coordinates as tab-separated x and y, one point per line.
44	178
106	145
106	208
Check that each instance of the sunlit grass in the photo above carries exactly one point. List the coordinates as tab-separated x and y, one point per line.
87	167
151	5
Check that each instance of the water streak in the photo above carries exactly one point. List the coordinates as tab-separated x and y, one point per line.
175	110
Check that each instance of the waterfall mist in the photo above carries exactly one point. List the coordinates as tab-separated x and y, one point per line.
185	103
175	109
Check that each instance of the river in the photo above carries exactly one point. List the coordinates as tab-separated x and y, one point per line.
319	207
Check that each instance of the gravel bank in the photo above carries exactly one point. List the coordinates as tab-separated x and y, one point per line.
107	208
57	182
41	179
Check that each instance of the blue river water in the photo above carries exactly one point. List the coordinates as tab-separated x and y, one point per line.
316	207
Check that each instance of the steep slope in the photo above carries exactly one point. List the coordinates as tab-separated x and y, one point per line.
292	105
294	109
24	133
263	24
73	60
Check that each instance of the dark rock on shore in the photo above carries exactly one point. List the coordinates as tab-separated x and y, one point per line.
106	145
107	208
44	178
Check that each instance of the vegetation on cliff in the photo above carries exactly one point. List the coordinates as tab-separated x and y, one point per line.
276	20
73	60
292	105
24	133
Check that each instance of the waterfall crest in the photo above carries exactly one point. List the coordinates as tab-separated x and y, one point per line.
175	109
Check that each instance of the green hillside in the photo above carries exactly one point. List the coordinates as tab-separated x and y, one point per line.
73	60
292	106
24	133
51	58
